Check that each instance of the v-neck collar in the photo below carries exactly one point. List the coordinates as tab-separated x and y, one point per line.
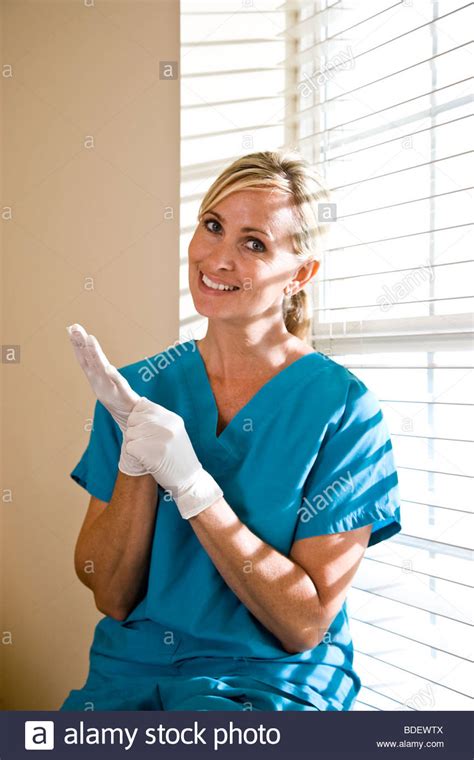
205	401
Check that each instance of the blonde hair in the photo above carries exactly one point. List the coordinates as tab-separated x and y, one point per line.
285	170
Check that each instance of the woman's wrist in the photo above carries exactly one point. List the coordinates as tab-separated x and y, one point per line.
200	494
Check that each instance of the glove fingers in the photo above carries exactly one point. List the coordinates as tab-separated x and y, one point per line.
84	348
99	360
143	430
134	449
78	337
124	388
88	349
95	360
147	411
80	356
97	357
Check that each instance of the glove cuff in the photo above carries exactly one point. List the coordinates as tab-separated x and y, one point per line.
199	495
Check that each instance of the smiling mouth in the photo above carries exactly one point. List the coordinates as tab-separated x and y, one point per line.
211	285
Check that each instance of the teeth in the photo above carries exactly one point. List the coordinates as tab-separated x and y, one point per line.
215	285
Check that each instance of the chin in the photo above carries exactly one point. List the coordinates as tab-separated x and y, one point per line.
208	310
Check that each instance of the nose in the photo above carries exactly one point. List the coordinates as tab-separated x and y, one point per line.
220	256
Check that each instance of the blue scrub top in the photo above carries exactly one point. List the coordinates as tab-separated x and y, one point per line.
308	455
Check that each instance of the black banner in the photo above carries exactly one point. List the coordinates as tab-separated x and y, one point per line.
147	734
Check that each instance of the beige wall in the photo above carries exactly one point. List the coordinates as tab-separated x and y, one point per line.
90	161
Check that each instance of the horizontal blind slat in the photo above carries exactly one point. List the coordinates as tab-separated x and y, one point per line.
304	55
435	665
403	169
423	557
377	701
445	598
376	662
409	690
344	95
377	112
402	237
393	271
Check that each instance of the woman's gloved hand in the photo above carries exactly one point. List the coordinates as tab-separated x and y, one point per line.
157	437
110	387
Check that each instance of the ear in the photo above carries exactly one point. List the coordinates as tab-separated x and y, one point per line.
304	274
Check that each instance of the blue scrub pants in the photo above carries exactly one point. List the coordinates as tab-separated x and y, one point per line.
116	685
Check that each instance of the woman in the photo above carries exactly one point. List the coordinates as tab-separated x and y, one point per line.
235	481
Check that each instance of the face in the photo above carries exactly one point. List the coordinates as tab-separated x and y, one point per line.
244	243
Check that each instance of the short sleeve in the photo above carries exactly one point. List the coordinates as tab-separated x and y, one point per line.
353	481
97	469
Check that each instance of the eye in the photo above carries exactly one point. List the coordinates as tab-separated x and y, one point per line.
259	242
207	222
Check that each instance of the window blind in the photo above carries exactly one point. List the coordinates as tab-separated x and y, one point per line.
232	103
376	96
378	100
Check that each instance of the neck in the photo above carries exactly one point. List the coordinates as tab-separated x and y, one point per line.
230	350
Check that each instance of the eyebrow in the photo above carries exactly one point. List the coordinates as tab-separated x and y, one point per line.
243	229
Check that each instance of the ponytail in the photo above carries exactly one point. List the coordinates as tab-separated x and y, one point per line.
296	314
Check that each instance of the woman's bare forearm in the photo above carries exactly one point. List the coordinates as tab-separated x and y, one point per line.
112	556
276	590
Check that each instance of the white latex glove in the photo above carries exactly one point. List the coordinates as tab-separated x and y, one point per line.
110	387
157	437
